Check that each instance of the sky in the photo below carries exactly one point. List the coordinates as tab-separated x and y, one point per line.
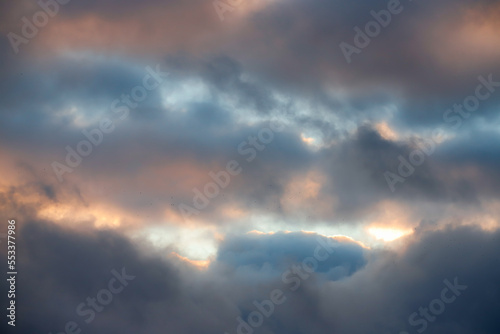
251	166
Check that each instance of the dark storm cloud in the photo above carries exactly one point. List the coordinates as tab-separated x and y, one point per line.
358	167
62	268
461	170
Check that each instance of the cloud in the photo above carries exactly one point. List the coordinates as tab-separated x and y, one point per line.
61	268
344	126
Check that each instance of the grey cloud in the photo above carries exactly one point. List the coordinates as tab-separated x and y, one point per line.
62	268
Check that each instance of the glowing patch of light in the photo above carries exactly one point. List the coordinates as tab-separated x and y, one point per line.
386	131
388	234
307	140
195	244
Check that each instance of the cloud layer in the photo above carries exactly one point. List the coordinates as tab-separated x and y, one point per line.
355	290
196	152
